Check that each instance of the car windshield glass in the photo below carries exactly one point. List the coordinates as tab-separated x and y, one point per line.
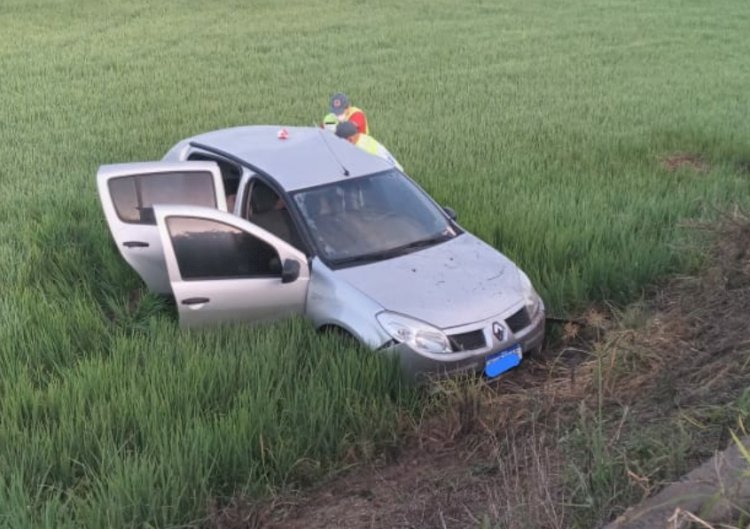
371	218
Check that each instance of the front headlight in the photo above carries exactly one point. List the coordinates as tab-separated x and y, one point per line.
531	298
414	333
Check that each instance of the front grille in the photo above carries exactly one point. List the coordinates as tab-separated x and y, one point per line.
519	320
467	341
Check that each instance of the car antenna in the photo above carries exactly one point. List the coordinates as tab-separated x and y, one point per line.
343	167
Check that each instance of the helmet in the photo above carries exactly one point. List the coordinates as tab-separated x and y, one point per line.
346	129
330	121
339	103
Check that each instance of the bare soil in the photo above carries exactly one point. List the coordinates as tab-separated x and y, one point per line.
691	161
493	456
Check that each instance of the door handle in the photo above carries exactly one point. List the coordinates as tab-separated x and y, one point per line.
135	244
195	301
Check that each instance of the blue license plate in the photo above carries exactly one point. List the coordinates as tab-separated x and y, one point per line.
503	361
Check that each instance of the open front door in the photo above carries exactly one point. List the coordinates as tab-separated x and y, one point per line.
223	268
128	193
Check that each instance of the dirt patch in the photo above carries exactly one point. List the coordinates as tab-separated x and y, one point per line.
426	488
676	161
500	454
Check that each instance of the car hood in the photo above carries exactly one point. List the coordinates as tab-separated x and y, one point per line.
460	281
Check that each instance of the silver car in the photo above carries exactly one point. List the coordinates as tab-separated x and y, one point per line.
256	223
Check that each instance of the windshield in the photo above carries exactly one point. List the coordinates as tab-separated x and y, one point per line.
371	218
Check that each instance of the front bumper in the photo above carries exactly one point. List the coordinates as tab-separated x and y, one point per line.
415	363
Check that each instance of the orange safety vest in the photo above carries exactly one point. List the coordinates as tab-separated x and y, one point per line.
353	110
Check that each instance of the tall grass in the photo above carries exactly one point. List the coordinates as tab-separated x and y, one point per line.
542	123
151	423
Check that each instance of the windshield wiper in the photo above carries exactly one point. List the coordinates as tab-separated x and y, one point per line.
424	243
364	258
394	252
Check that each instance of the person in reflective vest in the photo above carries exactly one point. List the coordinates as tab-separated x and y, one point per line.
349	131
342	108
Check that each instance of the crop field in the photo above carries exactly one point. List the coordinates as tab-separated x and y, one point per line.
556	130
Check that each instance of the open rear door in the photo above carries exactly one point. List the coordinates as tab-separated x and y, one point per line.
223	268
128	193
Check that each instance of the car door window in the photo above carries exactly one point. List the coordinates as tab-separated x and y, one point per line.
231	174
209	249
134	196
266	209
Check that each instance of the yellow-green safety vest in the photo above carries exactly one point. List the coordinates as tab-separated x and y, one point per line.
369	144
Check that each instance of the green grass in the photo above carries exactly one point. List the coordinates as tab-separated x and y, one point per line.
542	123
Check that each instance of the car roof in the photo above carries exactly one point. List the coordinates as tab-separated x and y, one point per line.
307	157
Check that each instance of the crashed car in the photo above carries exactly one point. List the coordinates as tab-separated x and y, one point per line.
256	223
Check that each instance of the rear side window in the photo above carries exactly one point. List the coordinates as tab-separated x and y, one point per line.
134	196
230	173
208	249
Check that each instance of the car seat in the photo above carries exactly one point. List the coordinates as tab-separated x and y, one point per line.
268	212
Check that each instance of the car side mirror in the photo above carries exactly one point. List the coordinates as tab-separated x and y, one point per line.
450	212
290	271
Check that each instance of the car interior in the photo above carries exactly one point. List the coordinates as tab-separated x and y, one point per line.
266	209
231	175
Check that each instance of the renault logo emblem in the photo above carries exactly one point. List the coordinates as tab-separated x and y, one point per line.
498	331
